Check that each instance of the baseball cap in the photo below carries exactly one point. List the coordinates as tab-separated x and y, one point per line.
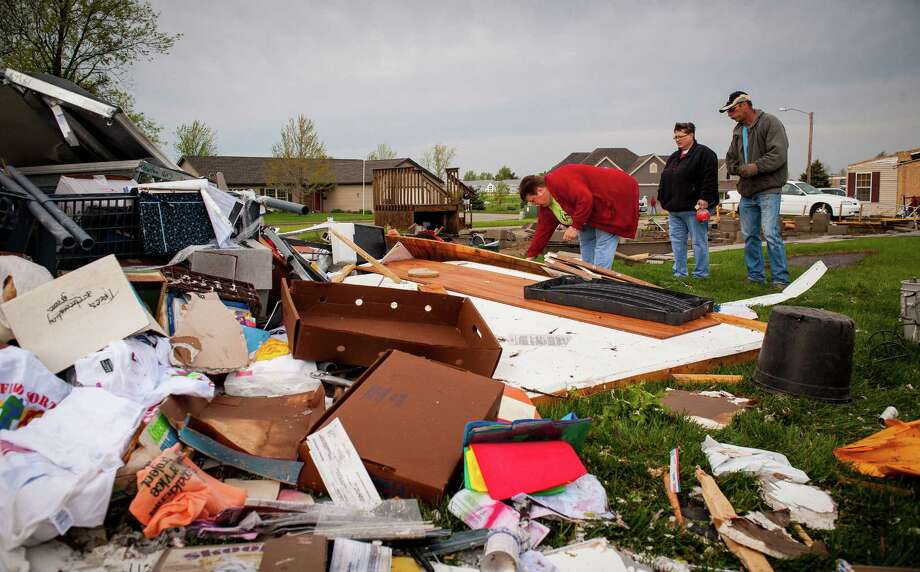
734	99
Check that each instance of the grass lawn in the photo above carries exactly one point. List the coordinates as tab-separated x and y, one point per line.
631	435
290	221
503	222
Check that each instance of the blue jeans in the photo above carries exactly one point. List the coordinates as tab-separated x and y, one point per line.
761	213
680	225
598	247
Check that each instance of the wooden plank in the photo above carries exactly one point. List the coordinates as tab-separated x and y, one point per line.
444	251
658	375
555	264
509	290
721	510
687	378
739	321
363	254
574	259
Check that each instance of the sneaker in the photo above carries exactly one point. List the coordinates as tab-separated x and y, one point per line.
759	282
780	286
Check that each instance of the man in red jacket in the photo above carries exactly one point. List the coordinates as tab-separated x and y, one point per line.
598	206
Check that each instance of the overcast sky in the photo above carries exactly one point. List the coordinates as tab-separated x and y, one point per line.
526	83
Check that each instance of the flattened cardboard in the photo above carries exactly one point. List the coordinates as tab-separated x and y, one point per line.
709	411
351	324
294	553
420	407
270	427
209	338
77	314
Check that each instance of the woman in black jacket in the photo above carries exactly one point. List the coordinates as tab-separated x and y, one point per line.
689	191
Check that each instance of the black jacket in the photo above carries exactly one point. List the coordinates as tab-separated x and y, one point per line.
685	181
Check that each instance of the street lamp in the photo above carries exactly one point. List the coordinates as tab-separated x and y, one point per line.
811	126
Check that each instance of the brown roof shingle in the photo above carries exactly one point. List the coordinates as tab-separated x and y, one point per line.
250	171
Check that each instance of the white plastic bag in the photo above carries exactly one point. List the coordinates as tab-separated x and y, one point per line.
17	276
283	375
58	471
137	369
27	388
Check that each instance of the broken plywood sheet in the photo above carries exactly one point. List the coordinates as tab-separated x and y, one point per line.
593	356
711	409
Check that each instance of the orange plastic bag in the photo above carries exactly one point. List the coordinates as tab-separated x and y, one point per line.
891	451
172	491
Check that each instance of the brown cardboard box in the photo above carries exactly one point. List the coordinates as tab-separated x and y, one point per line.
350	324
405	417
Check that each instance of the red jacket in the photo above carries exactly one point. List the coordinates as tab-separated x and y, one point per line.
607	199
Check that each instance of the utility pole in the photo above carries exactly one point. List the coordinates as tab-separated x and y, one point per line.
811	129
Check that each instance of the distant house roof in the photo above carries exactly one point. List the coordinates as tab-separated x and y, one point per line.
887	160
250	171
619	156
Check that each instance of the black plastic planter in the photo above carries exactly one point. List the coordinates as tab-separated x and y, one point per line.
807	353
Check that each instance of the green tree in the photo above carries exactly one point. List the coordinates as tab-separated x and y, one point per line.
504	173
438	158
195	139
486	176
881	154
819	176
92	43
470	175
301	165
383	151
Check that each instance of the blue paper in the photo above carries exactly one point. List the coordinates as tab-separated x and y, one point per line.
255	337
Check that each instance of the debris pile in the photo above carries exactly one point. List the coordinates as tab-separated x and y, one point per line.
201	392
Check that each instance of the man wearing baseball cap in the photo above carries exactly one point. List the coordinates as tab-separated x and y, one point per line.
757	154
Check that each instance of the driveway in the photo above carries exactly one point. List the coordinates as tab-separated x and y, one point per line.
479	216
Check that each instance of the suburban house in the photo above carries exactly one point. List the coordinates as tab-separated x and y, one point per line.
354	179
646	169
885	184
487	186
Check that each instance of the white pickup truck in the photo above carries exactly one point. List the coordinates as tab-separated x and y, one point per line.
800	198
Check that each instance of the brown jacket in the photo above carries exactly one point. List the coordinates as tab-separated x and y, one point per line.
767	148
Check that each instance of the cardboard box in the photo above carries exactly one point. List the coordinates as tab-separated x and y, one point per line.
354	325
252	263
406	416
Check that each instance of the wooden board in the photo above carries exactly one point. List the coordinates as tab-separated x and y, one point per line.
443	251
510	290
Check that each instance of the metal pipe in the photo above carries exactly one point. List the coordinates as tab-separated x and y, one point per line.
61	236
285	206
85	240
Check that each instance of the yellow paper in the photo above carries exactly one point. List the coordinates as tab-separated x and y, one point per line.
476	481
404	564
271	349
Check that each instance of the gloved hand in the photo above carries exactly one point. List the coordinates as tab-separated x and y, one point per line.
747	170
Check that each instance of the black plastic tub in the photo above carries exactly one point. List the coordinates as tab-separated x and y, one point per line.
807	352
601	295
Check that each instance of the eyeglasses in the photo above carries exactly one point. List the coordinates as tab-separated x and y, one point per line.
681	136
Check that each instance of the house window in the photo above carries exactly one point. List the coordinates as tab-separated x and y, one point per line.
653	168
864	186
280	194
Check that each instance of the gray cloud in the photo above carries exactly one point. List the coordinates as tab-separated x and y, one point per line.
525	83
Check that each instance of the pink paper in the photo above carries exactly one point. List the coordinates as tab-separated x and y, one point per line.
512	468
